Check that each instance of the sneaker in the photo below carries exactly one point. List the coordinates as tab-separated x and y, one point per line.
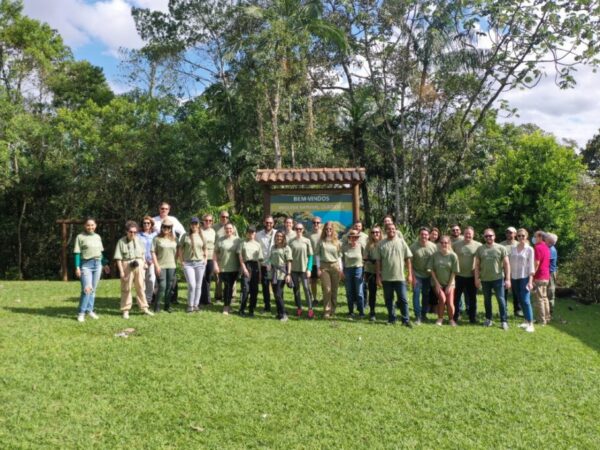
147	312
350	316
488	323
226	310
524	325
190	309
453	323
504	326
326	316
299	312
93	315
361	316
407	324
530	328
242	313
81	317
284	319
372	318
439	322
251	314
311	314
125	314
418	322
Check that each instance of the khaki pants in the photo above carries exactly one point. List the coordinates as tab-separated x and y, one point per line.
330	280
133	277
542	307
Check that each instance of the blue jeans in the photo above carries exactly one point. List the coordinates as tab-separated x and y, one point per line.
421	289
498	287
354	289
91	270
399	288
523	297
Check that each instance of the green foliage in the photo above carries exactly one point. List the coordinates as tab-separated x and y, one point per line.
591	155
73	83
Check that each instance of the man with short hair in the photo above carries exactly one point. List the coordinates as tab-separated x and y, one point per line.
391	254
422	251
509	243
266	239
164	210
551	240
315	237
541	278
491	263
455	234
466	249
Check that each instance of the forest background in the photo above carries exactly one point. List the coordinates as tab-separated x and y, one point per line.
407	89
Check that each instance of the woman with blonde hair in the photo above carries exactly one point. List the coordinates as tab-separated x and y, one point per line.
371	270
329	268
146	236
192	254
164	254
522	269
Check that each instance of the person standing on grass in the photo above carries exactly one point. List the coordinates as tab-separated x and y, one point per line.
541	279
391	255
510	242
129	255
192	254
89	261
521	272
434	236
209	235
353	255
250	254
266	238
146	236
227	264
455	234
280	264
288	229
465	282
315	237
328	261
551	240
302	256
164	254
371	269
422	251
443	266
220	232
491	265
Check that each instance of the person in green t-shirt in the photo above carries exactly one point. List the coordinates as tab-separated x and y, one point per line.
444	267
302	258
353	254
227	263
465	282
327	257
315	237
491	266
88	267
391	255
280	264
371	269
422	250
210	236
164	256
251	256
192	253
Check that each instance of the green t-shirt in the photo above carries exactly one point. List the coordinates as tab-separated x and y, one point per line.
315	238
421	257
353	256
226	250
278	260
191	252
466	256
509	246
289	236
210	236
301	250
491	262
444	266
89	246
129	249
250	250
220	230
392	253
363	238
328	252
166	251
370	259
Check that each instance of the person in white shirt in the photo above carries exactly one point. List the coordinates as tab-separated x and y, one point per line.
163	212
522	269
266	239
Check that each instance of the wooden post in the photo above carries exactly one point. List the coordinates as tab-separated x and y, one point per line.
266	201
63	259
356	202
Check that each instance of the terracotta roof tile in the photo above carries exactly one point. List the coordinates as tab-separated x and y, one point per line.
310	176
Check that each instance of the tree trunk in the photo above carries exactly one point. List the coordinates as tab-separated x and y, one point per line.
261	127
274	110
20	240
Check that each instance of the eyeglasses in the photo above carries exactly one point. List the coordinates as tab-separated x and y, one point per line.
131	232
224	217
269	223
207	220
166	227
299	228
316	222
488	236
146	223
164	209
520	236
375	232
455	229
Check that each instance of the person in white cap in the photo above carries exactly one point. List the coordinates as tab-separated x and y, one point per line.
509	243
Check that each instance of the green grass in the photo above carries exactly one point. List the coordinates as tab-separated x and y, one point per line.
210	381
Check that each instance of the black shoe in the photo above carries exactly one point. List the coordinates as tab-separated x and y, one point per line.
350	316
372	318
251	314
407	324
242	313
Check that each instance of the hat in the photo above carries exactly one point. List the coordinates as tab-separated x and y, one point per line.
195	220
353	233
511	229
251	229
167	223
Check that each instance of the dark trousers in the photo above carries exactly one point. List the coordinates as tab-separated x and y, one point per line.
516	300
371	283
266	288
205	296
250	286
228	279
165	284
397	288
466	285
299	278
278	287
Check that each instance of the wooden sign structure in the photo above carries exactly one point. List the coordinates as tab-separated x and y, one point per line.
308	182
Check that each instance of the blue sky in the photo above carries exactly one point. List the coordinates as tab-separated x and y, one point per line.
96	29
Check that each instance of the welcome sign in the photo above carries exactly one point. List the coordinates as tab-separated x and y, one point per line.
330	207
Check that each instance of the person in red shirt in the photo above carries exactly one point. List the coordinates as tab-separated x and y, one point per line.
541	278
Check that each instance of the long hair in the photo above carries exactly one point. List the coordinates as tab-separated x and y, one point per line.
284	241
162	234
334	238
372	242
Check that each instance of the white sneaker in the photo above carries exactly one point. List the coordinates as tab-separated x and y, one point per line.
125	314
148	312
524	325
504	326
488	323
81	317
530	328
439	322
453	323
93	315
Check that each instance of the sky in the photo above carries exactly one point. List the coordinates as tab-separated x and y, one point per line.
96	30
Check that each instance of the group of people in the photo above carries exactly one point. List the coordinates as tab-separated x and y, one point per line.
441	269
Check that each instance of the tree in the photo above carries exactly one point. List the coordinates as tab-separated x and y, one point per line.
591	155
73	83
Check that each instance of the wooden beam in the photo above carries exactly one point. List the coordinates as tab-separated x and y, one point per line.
266	201
356	202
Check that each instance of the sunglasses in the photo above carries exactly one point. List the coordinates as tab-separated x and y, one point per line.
299	229
166	227
375	232
131	232
207	220
164	209
488	236
146	223
316	223
520	235
224	217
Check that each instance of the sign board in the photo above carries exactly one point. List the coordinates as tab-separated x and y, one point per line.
330	207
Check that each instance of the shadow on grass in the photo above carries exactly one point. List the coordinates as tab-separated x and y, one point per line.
579	321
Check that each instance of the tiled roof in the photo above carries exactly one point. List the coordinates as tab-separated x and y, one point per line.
311	176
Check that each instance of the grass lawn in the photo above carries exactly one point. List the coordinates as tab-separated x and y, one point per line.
210	381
